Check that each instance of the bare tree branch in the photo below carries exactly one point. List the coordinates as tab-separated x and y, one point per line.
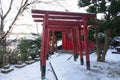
24	5
37	1
33	2
1	9
21	3
62	7
8	9
20	11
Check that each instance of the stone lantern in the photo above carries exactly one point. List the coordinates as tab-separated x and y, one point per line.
6	66
19	64
29	58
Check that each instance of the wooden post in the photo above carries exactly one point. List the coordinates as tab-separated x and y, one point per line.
48	44
53	40
74	40
43	47
80	45
86	44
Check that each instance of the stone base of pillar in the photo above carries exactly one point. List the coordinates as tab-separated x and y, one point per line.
5	71
20	65
29	62
37	59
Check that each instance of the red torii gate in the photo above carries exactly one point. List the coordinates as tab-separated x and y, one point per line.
63	22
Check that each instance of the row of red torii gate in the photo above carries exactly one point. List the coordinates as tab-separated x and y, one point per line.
69	24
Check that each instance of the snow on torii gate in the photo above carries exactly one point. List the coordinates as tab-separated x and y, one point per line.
63	22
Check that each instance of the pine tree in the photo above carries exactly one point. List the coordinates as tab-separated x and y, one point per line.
109	25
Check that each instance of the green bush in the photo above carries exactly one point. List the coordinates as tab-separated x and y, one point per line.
27	47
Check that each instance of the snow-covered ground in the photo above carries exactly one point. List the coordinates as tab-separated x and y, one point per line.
67	69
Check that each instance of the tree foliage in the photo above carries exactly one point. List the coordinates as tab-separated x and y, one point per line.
26	44
114	8
109	26
83	3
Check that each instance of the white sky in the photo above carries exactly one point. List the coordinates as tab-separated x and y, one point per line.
25	22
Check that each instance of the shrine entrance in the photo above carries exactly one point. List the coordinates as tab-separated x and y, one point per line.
67	23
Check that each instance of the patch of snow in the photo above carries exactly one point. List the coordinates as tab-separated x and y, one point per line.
69	70
59	42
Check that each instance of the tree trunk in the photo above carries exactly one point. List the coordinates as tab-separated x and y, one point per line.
2	41
1	24
106	44
97	45
98	50
98	55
